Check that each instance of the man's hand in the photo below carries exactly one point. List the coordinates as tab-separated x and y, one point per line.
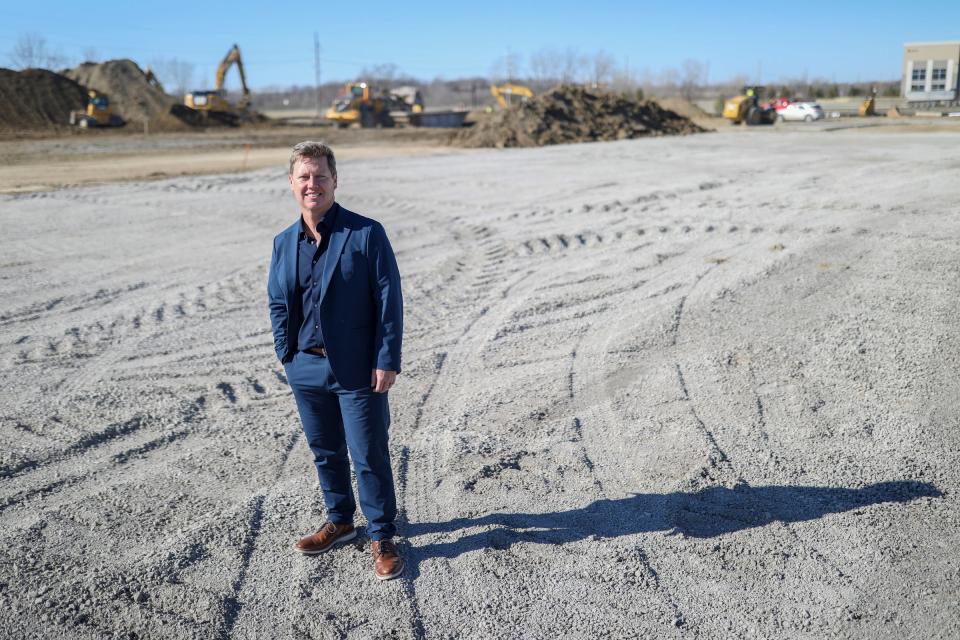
382	380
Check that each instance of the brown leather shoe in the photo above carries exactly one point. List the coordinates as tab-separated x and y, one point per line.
328	535
387	563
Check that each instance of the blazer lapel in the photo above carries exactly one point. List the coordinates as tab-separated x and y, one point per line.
338	239
290	257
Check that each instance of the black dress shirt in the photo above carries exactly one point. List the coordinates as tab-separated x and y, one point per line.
309	276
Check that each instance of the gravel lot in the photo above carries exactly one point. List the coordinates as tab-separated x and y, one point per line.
697	387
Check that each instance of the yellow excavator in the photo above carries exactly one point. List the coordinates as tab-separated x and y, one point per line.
213	104
869	106
99	113
509	93
359	104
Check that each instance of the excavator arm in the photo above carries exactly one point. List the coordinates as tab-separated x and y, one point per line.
510	92
233	57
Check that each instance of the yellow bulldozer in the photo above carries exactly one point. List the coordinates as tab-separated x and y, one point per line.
746	109
99	113
360	104
213	103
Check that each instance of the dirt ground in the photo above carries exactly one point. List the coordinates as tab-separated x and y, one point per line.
105	156
696	387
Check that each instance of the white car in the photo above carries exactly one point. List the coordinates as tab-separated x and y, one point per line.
806	111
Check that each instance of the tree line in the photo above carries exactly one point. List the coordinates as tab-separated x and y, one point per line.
540	70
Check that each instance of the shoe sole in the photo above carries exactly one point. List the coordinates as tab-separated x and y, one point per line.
344	538
392	575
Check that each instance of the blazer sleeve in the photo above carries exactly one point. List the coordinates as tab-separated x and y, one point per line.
388	299
279	313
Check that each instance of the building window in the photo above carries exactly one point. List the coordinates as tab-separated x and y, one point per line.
938	76
918	79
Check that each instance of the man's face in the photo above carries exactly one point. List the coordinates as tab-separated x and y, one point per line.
313	185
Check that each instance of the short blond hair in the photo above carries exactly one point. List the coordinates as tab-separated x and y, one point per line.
314	150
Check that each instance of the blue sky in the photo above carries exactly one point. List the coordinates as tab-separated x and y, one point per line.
842	41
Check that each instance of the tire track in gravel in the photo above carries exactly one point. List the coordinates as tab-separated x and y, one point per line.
411	490
408	586
233	604
189	413
112	339
118	443
116	344
638	553
86	444
177	554
403	471
599	353
578	423
719	461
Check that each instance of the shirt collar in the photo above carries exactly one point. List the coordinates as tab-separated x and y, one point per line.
326	223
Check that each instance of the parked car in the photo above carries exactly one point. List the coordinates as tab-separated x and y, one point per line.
807	111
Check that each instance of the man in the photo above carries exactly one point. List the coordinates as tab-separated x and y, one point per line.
337	316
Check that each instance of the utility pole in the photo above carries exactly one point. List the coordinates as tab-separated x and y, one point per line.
316	66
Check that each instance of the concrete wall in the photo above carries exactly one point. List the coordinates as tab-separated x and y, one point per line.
920	58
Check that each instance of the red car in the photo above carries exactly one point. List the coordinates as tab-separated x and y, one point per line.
776	103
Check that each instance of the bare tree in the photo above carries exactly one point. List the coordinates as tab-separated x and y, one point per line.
507	67
571	65
387	75
601	68
692	78
182	72
734	86
384	73
545	66
31	51
624	80
175	73
668	81
90	54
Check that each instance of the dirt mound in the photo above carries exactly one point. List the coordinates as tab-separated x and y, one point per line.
132	96
683	107
37	99
574	114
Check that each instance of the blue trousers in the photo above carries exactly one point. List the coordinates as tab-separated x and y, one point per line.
336	421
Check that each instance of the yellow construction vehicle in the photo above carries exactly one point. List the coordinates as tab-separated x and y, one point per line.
869	106
509	93
98	113
214	103
359	104
746	109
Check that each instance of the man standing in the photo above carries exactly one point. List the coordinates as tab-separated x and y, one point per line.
337	316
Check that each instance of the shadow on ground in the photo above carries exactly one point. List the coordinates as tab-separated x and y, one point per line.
703	514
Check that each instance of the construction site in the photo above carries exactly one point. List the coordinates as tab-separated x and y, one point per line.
670	371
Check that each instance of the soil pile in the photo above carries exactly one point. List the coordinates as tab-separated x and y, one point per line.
683	107
574	114
132	96
37	99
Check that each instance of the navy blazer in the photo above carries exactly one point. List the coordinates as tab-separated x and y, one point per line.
361	306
